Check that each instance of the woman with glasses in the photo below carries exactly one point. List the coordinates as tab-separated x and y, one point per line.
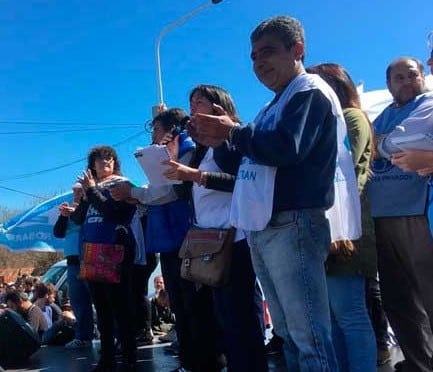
106	222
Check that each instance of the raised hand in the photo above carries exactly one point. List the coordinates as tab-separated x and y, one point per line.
65	209
178	171
121	191
87	180
211	130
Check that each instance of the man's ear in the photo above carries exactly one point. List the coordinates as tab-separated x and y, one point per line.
299	48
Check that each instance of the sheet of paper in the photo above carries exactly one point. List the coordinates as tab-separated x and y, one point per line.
420	141
150	159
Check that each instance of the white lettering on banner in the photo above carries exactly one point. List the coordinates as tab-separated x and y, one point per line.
38	235
246	175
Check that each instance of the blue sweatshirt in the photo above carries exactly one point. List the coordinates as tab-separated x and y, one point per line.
392	191
303	146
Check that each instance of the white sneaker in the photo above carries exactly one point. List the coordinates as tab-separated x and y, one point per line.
76	344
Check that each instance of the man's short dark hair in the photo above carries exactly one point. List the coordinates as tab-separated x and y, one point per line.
41	290
14	297
287	29
169	118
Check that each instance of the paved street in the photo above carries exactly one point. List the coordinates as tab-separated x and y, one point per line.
154	358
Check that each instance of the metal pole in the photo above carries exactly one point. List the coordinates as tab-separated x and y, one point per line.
430	40
163	32
430	43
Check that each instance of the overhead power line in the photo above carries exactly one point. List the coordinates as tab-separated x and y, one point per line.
44	171
69	130
21	192
68	123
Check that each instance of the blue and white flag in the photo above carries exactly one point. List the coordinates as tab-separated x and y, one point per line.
33	229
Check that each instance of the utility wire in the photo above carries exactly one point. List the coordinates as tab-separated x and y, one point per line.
69	130
27	175
22	192
64	123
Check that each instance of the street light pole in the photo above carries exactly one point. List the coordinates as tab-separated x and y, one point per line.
430	43
163	32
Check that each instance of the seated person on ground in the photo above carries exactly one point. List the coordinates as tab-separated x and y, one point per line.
63	329
163	318
32	314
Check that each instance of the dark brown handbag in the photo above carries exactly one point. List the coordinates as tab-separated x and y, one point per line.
206	256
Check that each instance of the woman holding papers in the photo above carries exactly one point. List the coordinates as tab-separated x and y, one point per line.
213	173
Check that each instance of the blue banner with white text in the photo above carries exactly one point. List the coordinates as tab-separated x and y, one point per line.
33	229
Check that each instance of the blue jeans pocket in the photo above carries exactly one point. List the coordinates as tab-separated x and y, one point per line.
319	227
283	219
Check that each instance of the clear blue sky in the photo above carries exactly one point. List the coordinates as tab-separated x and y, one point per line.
90	66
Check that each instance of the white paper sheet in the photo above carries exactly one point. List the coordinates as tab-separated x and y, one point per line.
150	159
420	141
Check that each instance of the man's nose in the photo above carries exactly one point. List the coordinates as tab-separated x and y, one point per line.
258	64
192	108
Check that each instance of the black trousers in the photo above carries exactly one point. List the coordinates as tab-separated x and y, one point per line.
197	328
376	312
405	263
115	311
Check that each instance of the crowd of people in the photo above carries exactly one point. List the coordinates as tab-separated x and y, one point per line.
303	185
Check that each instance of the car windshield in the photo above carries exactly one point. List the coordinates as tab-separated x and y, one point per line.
53	274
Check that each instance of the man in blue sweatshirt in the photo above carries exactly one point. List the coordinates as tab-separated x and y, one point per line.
398	205
284	185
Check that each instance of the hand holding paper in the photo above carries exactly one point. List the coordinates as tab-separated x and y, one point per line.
150	159
178	171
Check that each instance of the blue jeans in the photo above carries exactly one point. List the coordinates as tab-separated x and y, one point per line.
353	335
288	257
81	302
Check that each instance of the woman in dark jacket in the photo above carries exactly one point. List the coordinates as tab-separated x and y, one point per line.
238	305
105	222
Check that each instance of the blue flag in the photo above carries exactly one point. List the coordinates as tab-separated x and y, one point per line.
33	229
